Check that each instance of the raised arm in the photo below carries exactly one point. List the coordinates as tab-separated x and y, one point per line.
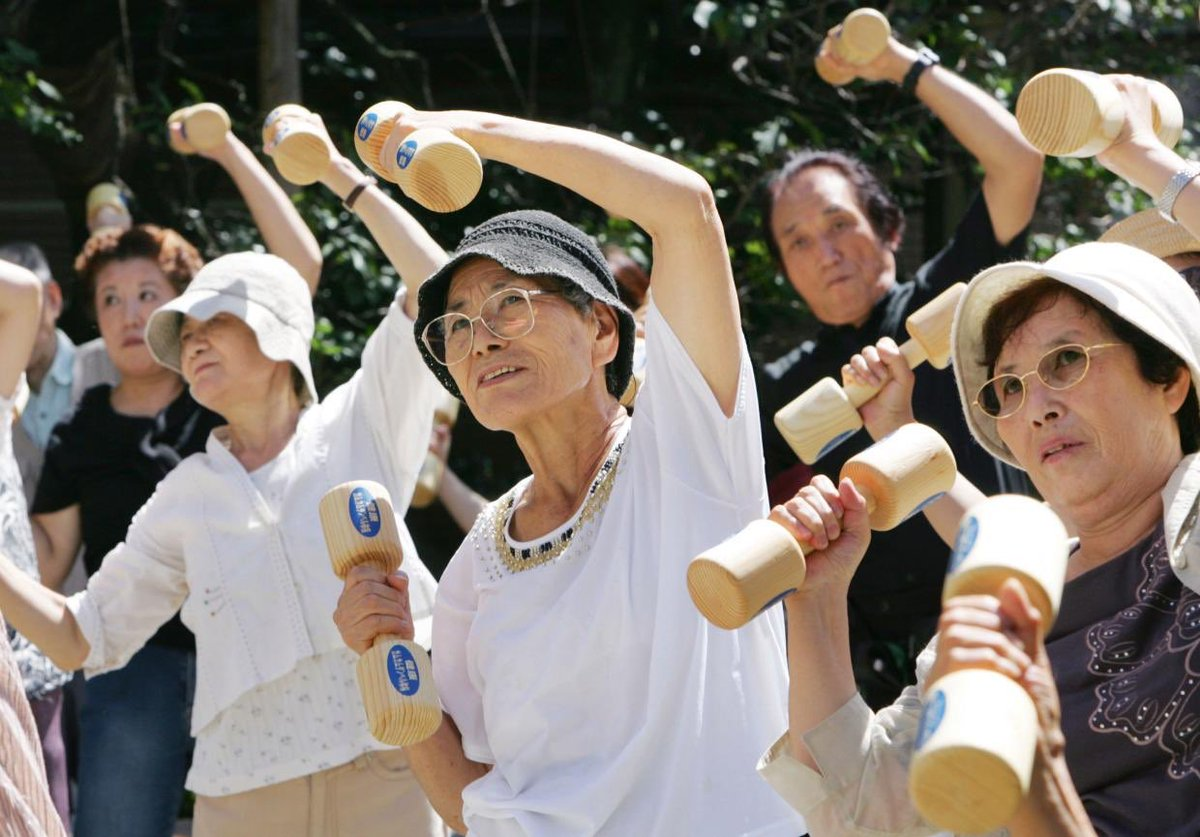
1138	156
691	279
20	301
1012	168
406	244
283	230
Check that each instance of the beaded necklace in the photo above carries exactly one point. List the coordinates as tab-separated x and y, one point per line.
527	557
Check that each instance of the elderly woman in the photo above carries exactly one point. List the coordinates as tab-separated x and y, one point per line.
233	536
1082	371
584	693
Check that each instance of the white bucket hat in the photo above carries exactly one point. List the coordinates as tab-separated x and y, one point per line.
261	290
1137	287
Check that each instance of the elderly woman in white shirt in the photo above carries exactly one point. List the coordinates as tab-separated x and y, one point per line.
584	693
233	535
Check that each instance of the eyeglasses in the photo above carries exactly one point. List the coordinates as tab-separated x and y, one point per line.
1060	368
508	314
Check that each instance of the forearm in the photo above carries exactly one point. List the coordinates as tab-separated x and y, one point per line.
945	513
1012	168
1055	810
404	242
42	616
1149	165
820	671
444	770
53	565
284	231
462	502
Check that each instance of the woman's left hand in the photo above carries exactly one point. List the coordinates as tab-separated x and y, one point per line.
373	603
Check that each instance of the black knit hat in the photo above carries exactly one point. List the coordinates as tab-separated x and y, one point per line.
533	243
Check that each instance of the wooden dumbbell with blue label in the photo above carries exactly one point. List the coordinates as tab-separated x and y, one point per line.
826	414
395	677
974	752
898	476
431	165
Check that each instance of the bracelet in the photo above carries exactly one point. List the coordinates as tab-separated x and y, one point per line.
925	59
349	200
1179	180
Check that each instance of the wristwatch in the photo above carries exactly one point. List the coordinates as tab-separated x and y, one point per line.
925	59
1180	179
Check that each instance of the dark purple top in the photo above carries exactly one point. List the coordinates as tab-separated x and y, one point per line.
1124	652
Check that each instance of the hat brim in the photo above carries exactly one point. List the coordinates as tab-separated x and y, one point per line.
276	340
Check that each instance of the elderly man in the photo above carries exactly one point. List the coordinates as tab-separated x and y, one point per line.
835	230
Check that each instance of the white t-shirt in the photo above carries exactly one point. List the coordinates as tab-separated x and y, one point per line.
604	700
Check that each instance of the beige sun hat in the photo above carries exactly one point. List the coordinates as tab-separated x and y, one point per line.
1148	230
261	290
1137	287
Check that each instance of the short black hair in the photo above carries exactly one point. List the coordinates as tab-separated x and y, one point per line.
877	203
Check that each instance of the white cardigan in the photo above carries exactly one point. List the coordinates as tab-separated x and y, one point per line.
257	587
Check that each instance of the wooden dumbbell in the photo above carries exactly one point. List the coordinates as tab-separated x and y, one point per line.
975	744
299	148
431	165
395	677
429	480
826	414
106	207
202	127
1075	113
898	475
862	37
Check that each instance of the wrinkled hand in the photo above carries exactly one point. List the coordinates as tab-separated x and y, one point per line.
1137	132
373	603
882	365
833	520
890	65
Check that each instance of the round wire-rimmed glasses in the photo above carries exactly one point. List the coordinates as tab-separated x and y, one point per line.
508	314
1060	368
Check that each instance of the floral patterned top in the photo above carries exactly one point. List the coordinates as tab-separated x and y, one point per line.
16	541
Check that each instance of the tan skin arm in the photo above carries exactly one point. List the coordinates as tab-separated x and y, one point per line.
406	244
57	537
42	616
20	303
369	606
882	365
1138	156
1012	168
283	230
691	279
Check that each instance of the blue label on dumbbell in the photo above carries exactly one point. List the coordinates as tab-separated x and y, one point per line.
963	543
405	153
366	125
364	512
837	440
931	717
402	670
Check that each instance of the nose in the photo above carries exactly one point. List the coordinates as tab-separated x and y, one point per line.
1043	403
132	310
482	339
828	250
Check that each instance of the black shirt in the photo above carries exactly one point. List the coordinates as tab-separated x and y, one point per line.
109	464
895	597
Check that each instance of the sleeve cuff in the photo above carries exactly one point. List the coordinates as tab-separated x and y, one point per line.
796	783
91	626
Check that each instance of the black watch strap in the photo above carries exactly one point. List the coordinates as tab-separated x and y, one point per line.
925	59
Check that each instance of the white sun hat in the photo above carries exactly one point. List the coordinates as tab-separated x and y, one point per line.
261	290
